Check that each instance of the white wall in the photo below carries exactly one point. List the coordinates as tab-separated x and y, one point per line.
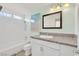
11	32
68	18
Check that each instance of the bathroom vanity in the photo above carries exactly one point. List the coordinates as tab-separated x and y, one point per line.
54	44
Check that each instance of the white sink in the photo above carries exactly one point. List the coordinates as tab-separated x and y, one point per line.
46	36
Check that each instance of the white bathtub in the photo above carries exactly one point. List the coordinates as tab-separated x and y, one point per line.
12	50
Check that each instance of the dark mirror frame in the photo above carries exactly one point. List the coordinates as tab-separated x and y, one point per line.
52	27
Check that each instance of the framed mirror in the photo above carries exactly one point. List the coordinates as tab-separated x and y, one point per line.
52	20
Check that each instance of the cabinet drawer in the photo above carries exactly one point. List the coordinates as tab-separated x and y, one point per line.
49	44
50	51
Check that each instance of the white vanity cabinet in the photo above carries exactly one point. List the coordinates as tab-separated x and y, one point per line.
44	48
41	50
67	50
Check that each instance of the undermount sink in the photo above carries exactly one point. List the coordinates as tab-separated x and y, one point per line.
46	36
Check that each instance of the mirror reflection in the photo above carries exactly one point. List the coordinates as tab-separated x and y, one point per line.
53	20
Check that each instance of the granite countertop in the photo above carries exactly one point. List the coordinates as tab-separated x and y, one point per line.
60	40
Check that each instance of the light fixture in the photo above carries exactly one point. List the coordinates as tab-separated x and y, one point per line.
5	14
59	6
51	9
32	21
17	17
55	7
66	5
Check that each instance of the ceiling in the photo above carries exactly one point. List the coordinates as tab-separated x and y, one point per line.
22	8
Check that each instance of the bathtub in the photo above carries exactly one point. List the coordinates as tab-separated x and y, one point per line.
12	50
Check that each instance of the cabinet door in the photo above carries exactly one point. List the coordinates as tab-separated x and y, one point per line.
51	51
37	49
67	50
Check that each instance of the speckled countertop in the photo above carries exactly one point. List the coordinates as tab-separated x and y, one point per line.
60	40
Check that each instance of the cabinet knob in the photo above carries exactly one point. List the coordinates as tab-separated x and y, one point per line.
41	49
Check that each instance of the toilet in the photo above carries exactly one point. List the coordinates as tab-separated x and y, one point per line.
27	49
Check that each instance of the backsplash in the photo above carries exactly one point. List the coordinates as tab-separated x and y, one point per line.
59	34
